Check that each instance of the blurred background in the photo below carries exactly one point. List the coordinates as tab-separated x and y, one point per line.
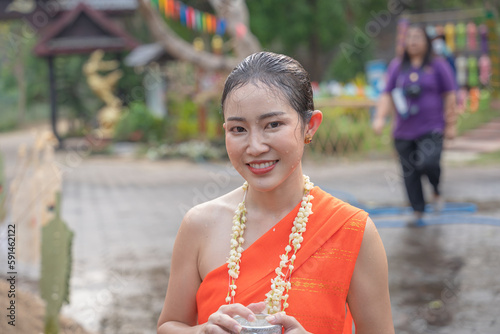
110	130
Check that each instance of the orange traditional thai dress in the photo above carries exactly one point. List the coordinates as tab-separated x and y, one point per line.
323	267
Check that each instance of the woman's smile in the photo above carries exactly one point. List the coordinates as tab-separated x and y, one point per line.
262	166
262	129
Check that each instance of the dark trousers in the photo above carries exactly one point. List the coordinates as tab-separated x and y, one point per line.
419	157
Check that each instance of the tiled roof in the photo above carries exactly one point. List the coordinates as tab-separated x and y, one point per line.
83	30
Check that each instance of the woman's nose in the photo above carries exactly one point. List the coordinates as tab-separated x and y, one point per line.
257	144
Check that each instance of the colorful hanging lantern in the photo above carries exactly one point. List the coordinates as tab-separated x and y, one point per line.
473	73
484	69
449	33
460	35
199	44
471	36
217	44
461	67
483	33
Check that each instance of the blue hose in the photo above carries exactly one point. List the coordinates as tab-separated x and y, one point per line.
440	220
452	213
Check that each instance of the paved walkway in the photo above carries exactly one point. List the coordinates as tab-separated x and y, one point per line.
485	139
125	214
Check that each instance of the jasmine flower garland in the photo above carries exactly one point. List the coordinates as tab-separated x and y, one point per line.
280	285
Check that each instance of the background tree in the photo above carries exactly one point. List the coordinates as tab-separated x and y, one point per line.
309	30
20	87
236	15
312	30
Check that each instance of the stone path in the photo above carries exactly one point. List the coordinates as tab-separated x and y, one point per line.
484	139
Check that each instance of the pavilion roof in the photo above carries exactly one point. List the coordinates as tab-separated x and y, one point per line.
15	9
83	30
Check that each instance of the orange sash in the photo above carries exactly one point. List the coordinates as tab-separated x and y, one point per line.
322	273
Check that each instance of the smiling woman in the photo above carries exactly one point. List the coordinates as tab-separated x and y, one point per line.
263	134
295	252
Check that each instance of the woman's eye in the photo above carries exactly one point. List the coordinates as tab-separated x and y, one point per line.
274	124
238	129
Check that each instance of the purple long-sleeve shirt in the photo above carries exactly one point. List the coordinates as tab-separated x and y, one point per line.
434	80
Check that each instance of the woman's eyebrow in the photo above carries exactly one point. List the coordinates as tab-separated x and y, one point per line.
271	114
235	118
261	117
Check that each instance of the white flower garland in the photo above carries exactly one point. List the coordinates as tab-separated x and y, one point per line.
281	284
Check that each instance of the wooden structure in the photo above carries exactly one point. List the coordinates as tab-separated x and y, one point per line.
71	27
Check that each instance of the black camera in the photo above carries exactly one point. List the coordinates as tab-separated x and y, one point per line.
412	90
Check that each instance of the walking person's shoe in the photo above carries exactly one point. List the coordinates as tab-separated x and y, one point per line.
416	220
438	204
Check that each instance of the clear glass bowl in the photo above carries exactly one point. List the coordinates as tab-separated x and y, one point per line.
259	326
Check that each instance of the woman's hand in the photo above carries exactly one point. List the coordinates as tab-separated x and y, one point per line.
450	131
384	108
223	321
450	115
378	125
291	325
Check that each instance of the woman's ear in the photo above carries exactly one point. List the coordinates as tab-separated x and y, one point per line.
224	126
314	123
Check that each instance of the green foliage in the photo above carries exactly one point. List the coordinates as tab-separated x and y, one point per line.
37	77
139	124
19	68
345	68
312	30
428	5
488	158
74	97
130	86
343	131
8	115
303	20
184	113
471	120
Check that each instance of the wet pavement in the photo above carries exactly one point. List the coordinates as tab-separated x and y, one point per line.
125	214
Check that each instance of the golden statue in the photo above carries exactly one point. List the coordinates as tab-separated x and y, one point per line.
21	6
102	86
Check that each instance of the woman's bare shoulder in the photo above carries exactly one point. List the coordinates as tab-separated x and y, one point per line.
203	215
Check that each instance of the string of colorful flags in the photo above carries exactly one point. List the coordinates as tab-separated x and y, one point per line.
191	17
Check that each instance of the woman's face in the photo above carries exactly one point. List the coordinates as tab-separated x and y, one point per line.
264	135
415	42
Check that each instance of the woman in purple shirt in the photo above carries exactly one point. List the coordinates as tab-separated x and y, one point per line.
421	88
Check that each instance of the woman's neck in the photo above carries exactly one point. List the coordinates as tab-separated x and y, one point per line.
416	61
280	200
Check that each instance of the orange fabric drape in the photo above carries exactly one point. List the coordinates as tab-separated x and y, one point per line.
322	274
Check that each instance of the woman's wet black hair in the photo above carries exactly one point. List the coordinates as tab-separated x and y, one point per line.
406	63
275	71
